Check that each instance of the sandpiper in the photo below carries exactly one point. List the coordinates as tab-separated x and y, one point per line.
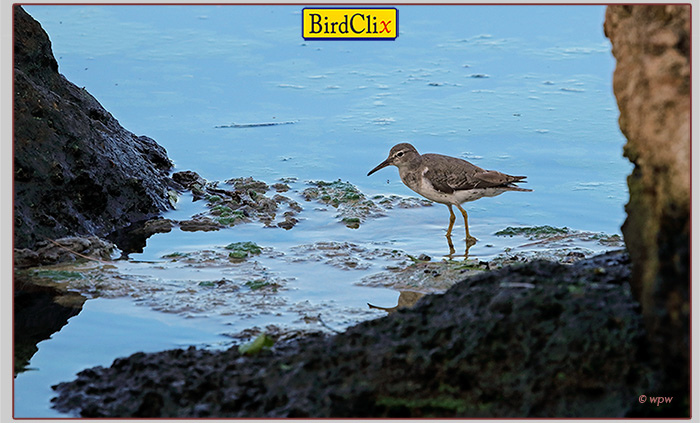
448	180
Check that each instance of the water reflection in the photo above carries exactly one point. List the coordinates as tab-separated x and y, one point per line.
468	242
406	299
40	310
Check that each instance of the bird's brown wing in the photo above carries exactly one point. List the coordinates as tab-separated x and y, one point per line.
493	178
450	174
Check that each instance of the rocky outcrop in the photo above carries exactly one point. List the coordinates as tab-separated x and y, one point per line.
651	44
539	339
76	170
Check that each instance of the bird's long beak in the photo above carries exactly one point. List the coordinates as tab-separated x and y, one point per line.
382	165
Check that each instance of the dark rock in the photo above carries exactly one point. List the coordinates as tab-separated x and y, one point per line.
230	207
132	239
280	187
651	44
189	179
534	340
76	170
248	184
200	223
288	223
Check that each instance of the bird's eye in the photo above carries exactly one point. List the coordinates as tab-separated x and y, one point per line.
399	154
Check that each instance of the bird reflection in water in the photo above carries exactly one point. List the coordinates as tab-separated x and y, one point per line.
451	255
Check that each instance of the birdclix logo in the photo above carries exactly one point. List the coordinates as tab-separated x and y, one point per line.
344	24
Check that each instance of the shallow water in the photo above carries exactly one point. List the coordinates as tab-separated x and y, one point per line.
522	89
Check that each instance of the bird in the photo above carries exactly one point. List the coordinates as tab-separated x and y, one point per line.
448	180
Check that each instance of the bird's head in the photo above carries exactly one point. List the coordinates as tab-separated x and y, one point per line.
400	155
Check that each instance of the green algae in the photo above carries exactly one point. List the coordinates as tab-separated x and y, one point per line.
175	255
548	233
533	232
58	275
351	222
213	199
258	344
353	206
228	217
605	239
258	284
249	184
221	210
243	250
334	193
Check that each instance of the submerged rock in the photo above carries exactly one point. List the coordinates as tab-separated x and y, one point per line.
523	341
344	255
353	206
246	202
550	235
391	201
248	184
243	250
77	171
200	223
425	276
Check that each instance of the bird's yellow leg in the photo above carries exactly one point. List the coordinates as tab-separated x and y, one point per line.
452	221
470	239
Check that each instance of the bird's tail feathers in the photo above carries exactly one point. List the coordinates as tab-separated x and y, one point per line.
518	180
517	188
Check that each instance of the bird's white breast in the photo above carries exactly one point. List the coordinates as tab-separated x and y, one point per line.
424	187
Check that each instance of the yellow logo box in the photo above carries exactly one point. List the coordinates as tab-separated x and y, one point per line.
344	24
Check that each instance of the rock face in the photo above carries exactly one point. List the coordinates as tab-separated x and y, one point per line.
651	44
527	340
76	170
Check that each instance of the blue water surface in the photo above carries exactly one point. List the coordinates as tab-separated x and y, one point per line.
521	89
526	90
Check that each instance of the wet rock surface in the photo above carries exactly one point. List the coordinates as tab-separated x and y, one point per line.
344	255
256	280
539	339
63	250
425	276
240	200
76	170
353	207
651	44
